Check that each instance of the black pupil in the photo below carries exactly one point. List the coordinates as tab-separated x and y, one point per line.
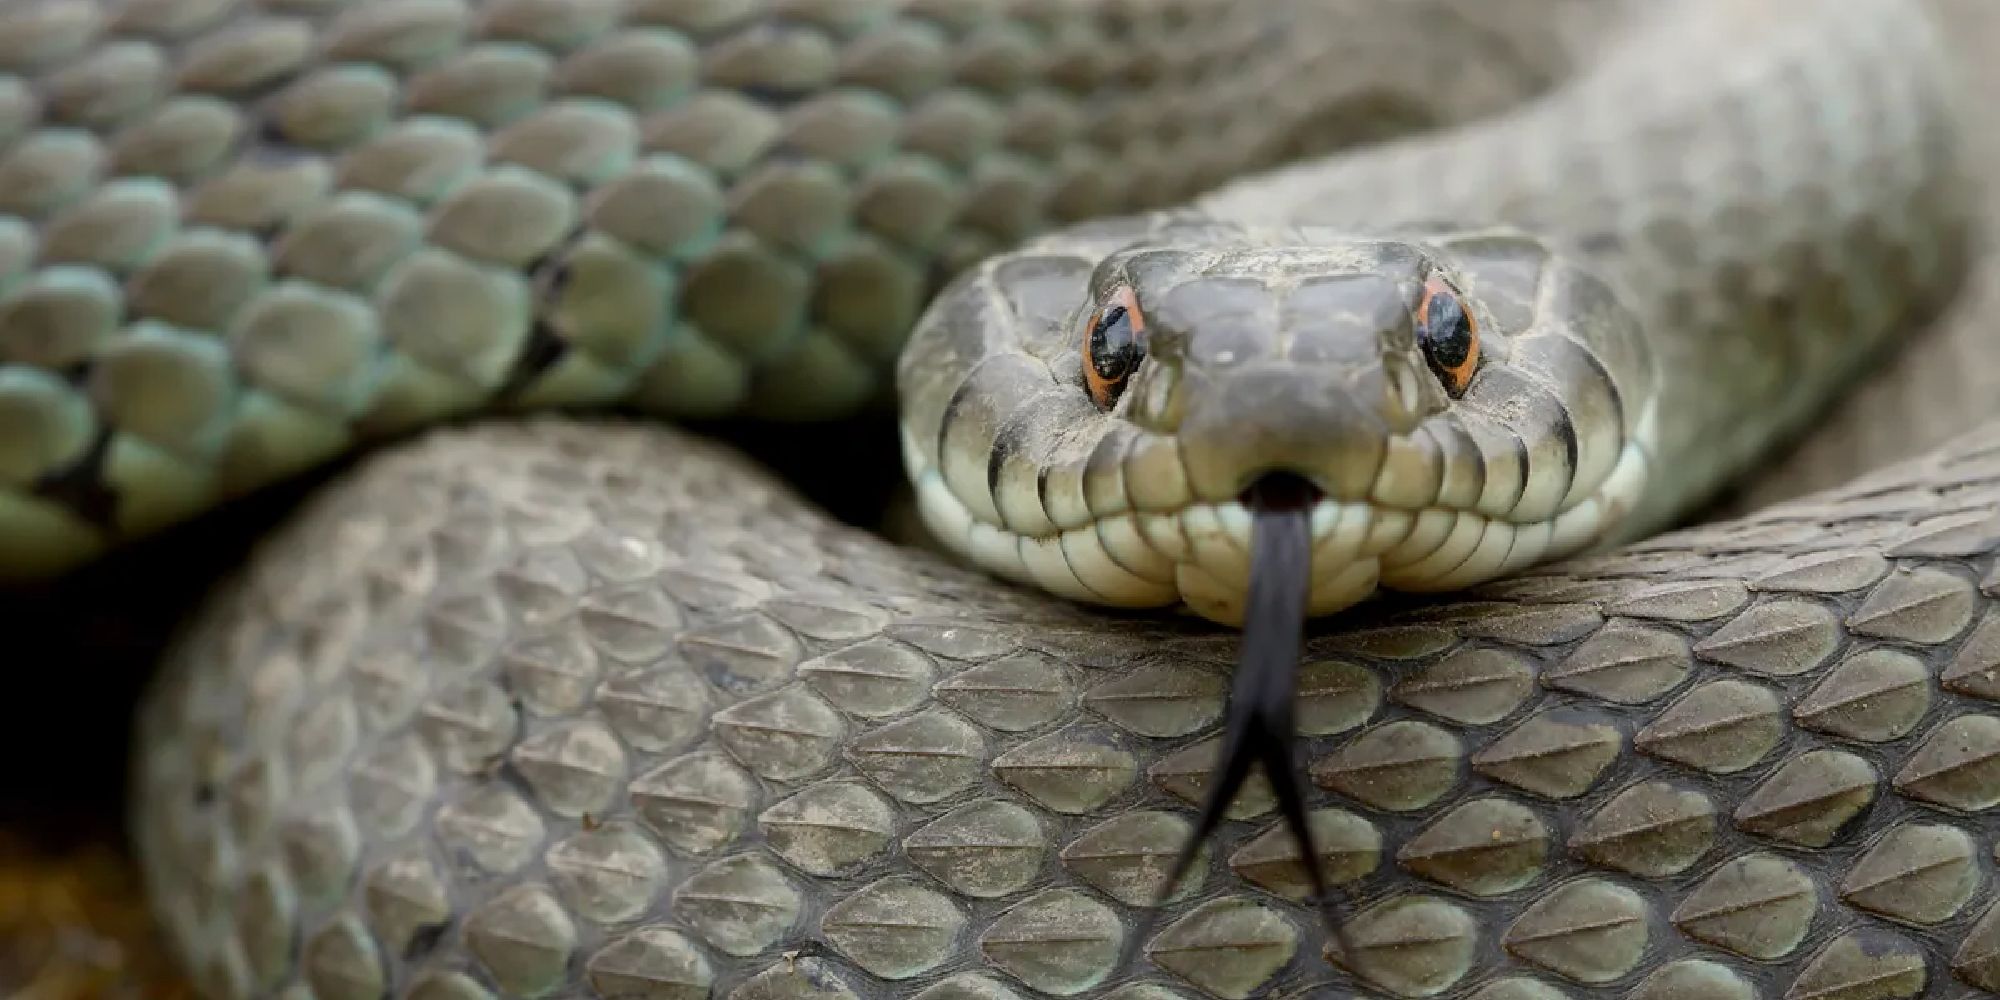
1113	349
1447	331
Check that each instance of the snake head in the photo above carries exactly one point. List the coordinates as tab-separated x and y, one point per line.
1087	414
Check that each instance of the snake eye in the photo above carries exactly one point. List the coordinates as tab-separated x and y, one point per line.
1448	335
1114	343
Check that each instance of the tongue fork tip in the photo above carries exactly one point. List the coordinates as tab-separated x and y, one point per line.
1259	726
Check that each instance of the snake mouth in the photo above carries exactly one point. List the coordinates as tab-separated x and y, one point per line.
1125	549
1280	491
1198	555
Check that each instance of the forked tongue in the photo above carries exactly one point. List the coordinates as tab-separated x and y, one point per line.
1260	726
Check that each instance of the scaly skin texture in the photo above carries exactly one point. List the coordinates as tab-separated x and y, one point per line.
560	709
239	238
567	709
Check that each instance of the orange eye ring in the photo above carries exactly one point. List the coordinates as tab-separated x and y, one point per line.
1448	334
1114	342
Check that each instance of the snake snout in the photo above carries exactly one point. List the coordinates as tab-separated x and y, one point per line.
1315	426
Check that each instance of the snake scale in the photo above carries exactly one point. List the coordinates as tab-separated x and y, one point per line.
561	707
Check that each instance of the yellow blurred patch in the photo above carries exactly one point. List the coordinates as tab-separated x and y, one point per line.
74	926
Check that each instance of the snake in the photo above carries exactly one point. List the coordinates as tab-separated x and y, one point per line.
1185	353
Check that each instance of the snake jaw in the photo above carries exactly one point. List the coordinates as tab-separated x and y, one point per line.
1197	555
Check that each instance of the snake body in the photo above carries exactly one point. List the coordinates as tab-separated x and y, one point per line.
244	238
551	708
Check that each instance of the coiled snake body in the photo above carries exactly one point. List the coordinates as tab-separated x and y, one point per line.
551	707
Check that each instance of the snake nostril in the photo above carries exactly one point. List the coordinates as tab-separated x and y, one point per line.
1280	490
